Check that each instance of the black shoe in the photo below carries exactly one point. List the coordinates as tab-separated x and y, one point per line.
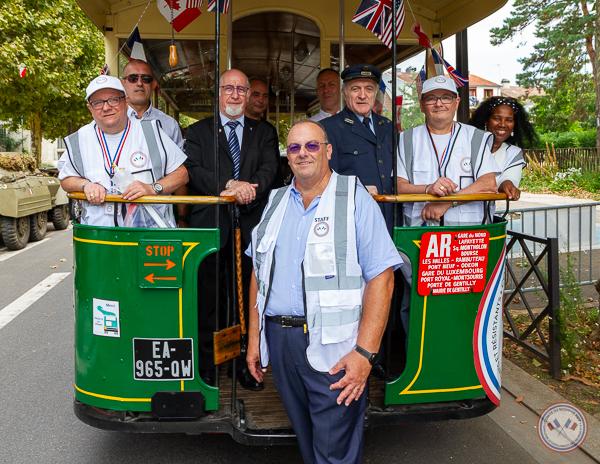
208	376
247	381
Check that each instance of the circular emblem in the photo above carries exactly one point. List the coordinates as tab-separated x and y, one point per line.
138	159
321	229
562	427
440	79
101	80
465	164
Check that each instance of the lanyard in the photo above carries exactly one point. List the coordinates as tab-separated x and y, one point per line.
112	161
447	150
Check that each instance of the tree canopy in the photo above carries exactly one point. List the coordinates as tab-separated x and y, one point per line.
564	60
62	51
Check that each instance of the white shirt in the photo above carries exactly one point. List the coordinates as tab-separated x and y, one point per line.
505	159
456	166
239	130
168	124
134	161
321	115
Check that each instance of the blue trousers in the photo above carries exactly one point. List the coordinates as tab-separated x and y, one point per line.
327	433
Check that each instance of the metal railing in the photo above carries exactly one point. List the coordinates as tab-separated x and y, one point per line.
585	158
536	328
577	230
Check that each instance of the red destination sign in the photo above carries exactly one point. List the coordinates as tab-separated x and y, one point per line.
453	262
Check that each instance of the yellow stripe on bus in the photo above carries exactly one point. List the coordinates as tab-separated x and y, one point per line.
104	242
407	390
113	398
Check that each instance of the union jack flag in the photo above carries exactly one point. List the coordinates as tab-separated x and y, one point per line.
376	16
223	6
454	74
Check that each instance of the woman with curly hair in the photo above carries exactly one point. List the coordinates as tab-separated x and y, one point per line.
509	123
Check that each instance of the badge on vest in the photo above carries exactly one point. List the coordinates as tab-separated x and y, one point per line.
349	121
138	159
465	164
321	229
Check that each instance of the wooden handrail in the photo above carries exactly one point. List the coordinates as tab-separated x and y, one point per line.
162	199
418	197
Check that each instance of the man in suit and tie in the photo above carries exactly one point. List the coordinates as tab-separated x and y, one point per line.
248	154
362	139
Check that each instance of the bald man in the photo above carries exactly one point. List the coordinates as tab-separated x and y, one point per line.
248	159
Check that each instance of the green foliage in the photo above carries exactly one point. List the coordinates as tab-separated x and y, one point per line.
62	50
570	139
567	106
566	31
574	319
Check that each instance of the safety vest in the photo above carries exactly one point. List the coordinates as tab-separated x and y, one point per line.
463	164
84	144
333	282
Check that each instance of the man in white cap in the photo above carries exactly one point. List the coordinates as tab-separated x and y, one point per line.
443	157
113	154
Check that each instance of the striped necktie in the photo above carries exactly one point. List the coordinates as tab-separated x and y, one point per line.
234	148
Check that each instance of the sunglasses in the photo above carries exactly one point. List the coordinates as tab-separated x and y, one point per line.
312	147
134	78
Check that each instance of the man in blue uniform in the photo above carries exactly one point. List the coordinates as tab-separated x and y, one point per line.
362	139
319	298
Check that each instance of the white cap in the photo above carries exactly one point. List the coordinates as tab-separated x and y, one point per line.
439	83
103	82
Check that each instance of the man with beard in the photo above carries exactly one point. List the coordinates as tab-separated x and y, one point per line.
248	169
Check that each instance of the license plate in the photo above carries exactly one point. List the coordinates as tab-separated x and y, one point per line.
163	359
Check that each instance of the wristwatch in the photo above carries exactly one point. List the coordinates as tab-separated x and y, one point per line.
371	357
158	189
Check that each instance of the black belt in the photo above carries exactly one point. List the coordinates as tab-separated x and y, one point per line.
288	321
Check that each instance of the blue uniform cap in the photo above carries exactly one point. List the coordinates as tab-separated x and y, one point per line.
361	71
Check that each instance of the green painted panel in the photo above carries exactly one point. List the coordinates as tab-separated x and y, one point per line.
440	361
108	274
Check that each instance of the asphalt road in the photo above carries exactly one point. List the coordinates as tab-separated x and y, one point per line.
37	424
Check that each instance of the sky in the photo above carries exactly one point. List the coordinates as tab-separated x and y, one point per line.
485	60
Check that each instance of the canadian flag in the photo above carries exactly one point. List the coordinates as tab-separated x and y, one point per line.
182	12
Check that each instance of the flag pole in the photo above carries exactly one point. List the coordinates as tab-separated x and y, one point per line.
342	51
216	126
393	106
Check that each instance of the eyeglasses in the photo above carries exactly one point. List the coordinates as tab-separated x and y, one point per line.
312	147
229	89
112	102
432	99
134	78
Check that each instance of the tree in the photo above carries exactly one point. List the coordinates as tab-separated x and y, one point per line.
567	107
568	33
62	51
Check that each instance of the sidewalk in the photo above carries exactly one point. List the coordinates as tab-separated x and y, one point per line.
531	200
520	419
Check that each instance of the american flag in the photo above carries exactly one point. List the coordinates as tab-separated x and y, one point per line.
223	5
376	16
454	74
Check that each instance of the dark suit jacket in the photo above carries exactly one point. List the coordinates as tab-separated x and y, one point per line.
357	151
259	164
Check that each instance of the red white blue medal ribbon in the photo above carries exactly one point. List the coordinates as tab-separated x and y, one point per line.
112	161
446	152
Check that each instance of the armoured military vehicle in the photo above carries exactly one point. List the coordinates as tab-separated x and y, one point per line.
29	199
